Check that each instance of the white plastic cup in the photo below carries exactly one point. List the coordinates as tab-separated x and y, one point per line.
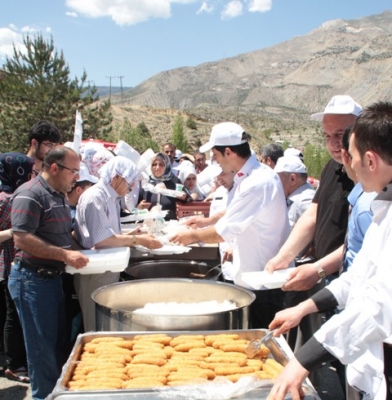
179	187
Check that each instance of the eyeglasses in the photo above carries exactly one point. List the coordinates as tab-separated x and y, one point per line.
50	145
73	170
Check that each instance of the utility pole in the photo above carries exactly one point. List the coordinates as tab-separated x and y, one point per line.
121	88
110	87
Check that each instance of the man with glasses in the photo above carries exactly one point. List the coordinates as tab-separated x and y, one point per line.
41	225
43	137
98	225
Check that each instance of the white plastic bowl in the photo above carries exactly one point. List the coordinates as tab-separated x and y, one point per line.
115	259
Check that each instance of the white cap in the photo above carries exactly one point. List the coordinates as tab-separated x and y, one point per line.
225	134
291	151
291	164
84	175
178	154
340	104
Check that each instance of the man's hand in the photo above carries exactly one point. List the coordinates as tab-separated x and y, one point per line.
301	278
144	205
228	256
285	320
184	238
75	259
278	262
198	221
290	380
149	241
135	231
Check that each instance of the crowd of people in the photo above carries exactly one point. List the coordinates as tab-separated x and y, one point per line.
56	201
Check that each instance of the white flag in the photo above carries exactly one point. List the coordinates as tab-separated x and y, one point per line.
78	134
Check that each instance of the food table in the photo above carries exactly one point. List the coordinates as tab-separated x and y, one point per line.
278	347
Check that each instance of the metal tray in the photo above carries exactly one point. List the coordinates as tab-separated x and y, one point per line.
279	350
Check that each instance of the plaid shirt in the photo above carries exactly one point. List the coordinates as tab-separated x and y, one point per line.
7	250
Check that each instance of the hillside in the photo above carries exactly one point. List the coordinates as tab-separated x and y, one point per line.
272	91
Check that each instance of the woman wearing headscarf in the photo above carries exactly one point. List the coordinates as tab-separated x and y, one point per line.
15	169
188	177
161	175
96	156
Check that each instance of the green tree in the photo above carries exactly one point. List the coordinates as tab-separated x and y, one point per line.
142	127
315	159
179	140
191	123
37	86
135	137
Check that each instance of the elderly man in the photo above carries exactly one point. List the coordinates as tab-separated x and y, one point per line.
255	223
325	221
270	153
299	193
41	224
98	225
360	335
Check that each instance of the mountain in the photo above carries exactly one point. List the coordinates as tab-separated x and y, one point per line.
276	89
107	90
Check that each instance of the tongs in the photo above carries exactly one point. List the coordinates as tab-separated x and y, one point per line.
254	346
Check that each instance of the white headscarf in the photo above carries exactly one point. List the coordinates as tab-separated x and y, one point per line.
120	166
183	175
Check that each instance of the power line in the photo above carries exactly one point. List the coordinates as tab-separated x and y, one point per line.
121	88
110	86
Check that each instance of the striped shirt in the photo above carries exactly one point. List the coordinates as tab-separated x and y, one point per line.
38	209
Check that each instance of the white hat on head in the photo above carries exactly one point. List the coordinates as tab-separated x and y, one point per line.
84	175
291	151
178	154
291	164
225	134
340	104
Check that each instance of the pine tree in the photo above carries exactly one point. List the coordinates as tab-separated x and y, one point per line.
37	86
179	140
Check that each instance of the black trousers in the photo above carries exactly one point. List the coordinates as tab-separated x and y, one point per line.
14	347
388	369
265	306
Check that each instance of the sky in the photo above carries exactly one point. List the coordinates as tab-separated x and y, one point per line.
124	42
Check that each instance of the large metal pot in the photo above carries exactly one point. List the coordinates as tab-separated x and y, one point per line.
172	269
114	305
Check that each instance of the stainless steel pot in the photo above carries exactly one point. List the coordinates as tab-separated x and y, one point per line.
172	269
114	305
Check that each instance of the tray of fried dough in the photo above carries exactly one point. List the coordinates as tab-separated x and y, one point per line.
172	365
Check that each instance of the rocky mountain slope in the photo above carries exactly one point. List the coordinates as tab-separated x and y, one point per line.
273	90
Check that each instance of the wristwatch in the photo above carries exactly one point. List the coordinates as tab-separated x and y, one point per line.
320	271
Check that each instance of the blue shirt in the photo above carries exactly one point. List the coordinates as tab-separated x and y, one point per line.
360	219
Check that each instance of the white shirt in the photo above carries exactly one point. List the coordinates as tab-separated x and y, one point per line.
256	223
219	203
97	215
299	201
356	335
219	200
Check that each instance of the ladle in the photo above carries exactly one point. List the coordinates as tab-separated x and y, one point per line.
208	274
